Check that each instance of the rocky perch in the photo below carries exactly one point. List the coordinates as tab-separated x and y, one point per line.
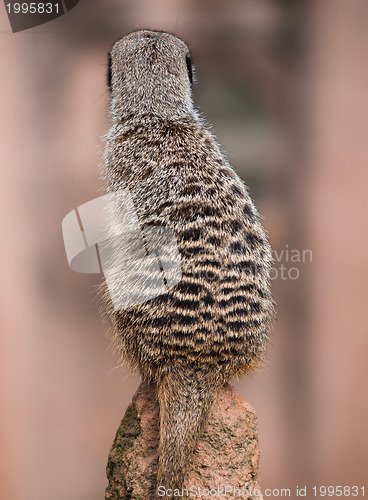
227	453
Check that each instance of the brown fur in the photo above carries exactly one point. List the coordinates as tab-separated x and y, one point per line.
215	322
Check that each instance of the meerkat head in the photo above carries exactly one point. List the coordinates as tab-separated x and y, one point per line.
150	72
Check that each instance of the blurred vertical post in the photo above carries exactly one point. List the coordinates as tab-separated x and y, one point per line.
337	218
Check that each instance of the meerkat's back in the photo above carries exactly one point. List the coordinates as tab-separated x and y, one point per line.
214	323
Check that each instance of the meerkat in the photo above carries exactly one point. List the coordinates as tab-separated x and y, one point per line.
215	322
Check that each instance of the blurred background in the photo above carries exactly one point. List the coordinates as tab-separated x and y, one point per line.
284	85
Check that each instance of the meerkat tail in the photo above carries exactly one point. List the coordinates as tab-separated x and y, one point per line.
186	396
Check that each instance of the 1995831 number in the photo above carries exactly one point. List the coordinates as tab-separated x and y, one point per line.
33	8
338	491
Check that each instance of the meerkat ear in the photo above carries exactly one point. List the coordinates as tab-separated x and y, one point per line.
188	60
109	71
